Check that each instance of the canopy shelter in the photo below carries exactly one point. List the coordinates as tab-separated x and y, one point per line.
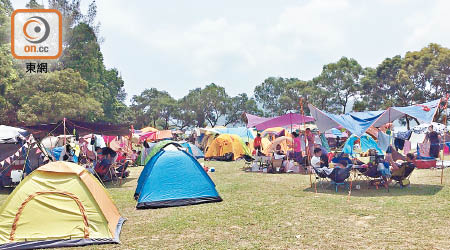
424	112
253	120
82	128
284	120
359	122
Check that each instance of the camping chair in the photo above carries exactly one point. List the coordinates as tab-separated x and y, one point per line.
374	176
248	160
277	165
320	175
339	177
401	175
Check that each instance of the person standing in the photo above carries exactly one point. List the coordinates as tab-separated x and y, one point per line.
257	143
297	148
434	139
310	139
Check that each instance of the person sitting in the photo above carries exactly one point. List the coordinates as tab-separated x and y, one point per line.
103	167
316	160
409	162
279	153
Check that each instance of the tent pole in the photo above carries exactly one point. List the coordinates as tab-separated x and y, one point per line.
445	132
304	135
64	128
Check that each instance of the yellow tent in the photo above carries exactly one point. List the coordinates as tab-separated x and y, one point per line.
226	143
148	129
60	204
284	141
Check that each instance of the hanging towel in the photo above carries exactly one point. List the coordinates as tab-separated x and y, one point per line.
415	139
407	147
383	140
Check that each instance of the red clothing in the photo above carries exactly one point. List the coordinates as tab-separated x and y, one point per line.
257	142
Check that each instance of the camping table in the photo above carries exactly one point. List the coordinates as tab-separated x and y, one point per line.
356	175
263	160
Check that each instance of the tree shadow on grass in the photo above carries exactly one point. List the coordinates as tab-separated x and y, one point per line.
371	191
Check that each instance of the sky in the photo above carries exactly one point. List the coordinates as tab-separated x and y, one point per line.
180	45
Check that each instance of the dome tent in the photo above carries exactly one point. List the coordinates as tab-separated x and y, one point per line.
174	177
227	143
59	205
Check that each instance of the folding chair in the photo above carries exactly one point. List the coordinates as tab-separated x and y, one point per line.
401	175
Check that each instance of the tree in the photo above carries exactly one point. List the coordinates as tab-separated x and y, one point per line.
8	77
269	92
341	81
33	4
153	106
6	10
53	96
216	101
239	105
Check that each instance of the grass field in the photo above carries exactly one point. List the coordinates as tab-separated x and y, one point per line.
282	211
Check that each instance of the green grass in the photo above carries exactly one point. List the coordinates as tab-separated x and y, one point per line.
282	211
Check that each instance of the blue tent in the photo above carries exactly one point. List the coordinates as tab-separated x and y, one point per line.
174	178
193	150
366	142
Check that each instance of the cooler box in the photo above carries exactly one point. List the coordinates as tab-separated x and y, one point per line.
425	164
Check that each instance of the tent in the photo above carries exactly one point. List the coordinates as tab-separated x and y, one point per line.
148	129
59	205
172	178
245	133
284	141
226	143
366	142
16	158
193	150
157	147
11	134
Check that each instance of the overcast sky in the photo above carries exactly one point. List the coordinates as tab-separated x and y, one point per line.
180	45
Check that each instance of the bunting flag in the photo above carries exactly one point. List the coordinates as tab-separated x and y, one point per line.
1	163
38	151
17	154
8	160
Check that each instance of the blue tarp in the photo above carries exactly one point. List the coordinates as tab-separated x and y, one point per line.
174	178
358	122
243	132
366	142
193	150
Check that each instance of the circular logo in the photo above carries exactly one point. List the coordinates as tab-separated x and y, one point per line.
36	29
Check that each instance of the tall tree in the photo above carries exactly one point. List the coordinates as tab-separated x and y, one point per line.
341	81
154	107
53	96
239	105
216	102
269	92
